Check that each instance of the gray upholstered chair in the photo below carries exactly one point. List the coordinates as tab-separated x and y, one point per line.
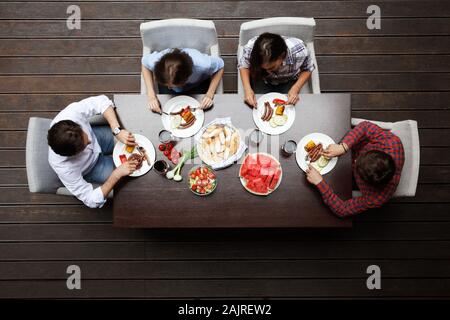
179	33
302	28
409	135
41	177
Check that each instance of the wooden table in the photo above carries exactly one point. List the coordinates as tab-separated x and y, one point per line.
152	201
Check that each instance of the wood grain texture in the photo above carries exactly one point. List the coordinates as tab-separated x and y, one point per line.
398	72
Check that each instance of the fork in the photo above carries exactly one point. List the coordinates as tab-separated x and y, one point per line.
307	160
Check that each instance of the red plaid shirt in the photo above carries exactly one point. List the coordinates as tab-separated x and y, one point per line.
364	137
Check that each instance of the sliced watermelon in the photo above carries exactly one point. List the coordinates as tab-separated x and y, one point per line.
273	183
262	189
264	161
267	171
258	181
255	171
266	180
275	179
251	160
274	164
243	171
261	173
269	181
278	173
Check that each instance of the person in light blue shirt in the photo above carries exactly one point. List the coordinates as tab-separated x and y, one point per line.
181	71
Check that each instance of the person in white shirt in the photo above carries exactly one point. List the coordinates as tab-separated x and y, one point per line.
81	155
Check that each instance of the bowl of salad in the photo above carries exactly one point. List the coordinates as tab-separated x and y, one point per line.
202	180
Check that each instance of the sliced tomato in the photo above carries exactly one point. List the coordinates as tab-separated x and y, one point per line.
123	158
194	187
211	175
193	175
162	147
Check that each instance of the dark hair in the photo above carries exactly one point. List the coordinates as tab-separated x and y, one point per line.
375	167
66	138
174	67
267	48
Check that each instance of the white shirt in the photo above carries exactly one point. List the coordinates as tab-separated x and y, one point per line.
71	170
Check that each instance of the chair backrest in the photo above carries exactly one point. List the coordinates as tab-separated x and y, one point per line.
302	28
41	177
408	133
179	33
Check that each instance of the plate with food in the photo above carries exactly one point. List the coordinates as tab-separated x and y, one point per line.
310	150
273	115
202	180
218	143
260	173
143	152
182	116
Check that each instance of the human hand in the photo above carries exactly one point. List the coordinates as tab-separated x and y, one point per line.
313	176
154	104
207	101
126	168
293	95
250	98
126	138
333	150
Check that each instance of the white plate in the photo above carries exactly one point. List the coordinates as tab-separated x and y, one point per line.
265	126
142	141
224	163
244	181
301	153
176	104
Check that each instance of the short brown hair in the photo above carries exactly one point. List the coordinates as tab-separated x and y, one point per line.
174	67
375	167
66	138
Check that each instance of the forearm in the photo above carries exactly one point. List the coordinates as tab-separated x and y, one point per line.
342	208
148	79
245	78
302	79
110	116
109	184
215	80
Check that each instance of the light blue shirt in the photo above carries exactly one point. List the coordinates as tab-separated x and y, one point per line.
204	66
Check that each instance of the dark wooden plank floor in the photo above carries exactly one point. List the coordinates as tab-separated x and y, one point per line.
401	71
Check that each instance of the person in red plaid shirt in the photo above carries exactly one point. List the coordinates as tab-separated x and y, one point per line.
377	162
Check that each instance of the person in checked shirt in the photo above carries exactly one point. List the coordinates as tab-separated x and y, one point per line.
274	63
377	162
